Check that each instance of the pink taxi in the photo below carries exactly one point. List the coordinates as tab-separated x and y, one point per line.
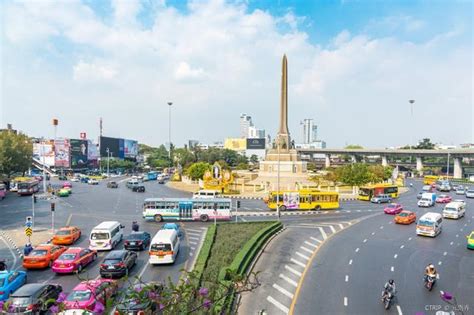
74	259
91	295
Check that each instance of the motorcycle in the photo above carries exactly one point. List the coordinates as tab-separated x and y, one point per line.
387	298
430	282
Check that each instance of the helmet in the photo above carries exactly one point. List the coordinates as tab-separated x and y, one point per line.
431	266
391	281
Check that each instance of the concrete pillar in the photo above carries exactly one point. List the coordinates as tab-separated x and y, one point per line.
419	164
457	173
384	161
327	160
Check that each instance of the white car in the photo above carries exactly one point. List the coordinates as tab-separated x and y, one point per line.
460	200
75	179
93	181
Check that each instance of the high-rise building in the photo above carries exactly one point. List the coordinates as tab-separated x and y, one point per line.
309	131
193	143
254	133
245	124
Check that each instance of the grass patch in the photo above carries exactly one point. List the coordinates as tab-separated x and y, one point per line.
229	240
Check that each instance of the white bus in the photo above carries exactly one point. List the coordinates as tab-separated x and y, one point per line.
430	224
183	209
106	235
164	247
206	194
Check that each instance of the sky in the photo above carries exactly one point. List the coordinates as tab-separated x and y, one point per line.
353	67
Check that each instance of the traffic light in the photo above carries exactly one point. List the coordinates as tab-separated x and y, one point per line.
238	204
53	206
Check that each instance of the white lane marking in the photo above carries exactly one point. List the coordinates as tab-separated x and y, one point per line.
347	278
440	263
290	281
332	228
364	241
345	301
358	210
311	244
392	269
465	224
50	278
341	226
302	255
299	263
194	230
192	243
357	249
306	249
283	291
296	272
399	310
457	235
401	247
373	233
194	238
192	248
191	254
381	227
194	233
451	243
280	306
389	222
409	238
323	233
142	272
315	239
445	253
337	211
350	262
395	256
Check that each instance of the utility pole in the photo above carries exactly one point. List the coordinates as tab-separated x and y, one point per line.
108	161
169	131
447	169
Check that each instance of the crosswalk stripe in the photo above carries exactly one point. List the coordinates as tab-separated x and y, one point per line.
283	291
315	239
299	263
296	272
280	306
290	281
302	255
311	244
306	249
194	238
323	233
194	230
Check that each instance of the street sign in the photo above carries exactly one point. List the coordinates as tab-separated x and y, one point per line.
28	231
29	221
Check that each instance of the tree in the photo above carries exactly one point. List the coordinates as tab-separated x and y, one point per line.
254	159
16	153
425	144
183	156
242	166
197	170
159	157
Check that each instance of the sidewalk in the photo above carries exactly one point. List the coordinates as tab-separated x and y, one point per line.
17	238
183	186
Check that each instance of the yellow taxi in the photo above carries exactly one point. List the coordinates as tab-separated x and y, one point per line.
470	240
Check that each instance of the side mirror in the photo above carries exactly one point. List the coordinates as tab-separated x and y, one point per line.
122	226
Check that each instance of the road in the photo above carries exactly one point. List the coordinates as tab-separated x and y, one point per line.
348	273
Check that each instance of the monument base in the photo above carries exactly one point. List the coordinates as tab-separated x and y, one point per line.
288	161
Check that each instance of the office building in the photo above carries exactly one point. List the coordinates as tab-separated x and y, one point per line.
245	124
309	130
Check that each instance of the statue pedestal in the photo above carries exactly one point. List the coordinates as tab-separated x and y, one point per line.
290	164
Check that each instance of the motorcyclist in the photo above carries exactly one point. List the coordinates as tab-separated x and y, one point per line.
3	266
135	226
27	249
430	271
389	289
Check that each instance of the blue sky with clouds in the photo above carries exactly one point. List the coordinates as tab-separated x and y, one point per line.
351	62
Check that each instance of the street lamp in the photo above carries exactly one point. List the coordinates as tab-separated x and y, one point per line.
169	130
108	161
412	121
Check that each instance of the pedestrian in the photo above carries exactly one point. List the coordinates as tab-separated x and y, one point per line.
135	226
27	249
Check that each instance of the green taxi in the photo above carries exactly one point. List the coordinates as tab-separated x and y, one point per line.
64	192
470	240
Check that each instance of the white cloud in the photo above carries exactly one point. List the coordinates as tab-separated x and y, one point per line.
232	57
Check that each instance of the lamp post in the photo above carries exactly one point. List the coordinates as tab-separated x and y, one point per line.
412	127
447	168
44	166
169	130
108	161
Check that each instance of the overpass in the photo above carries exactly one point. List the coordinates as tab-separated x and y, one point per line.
456	154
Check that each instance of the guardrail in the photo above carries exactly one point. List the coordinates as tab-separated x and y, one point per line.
243	259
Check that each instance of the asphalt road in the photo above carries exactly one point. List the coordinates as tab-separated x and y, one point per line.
348	273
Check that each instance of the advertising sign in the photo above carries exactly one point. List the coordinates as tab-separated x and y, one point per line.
236	144
78	153
291	200
44	152
112	144
92	151
61	150
256	144
121	154
131	148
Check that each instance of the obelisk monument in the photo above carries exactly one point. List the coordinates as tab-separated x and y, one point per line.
283	155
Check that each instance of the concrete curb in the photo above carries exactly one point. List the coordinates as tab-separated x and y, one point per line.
293	213
12	243
242	197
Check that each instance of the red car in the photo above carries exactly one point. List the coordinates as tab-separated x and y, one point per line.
444	199
393	208
74	259
67	185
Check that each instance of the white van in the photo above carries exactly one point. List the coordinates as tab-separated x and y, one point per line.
164	247
206	194
430	224
454	210
106	235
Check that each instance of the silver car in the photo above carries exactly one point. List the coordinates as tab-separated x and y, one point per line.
470	193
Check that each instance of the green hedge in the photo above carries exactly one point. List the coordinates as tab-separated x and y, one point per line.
205	251
244	258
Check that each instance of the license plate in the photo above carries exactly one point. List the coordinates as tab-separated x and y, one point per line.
62	266
161	256
33	261
132	243
111	267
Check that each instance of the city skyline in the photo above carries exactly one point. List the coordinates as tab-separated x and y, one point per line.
124	61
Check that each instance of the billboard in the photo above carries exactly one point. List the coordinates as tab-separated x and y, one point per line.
44	153
256	144
121	154
236	144
78	153
61	151
130	148
112	144
92	151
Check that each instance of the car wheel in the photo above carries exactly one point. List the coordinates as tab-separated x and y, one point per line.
282	208
158	218
317	208
50	264
79	269
204	218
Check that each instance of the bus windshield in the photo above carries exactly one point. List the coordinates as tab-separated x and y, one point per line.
364	191
425	223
